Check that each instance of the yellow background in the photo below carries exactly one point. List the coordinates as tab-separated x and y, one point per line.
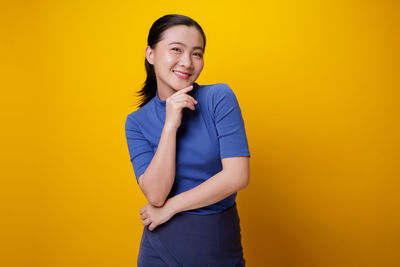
318	85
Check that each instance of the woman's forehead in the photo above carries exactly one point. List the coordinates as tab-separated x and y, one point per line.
187	35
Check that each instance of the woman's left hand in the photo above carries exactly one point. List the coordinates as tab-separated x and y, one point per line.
154	216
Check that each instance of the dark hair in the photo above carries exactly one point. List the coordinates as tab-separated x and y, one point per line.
155	34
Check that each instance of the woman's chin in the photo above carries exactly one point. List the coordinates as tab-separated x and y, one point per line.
183	86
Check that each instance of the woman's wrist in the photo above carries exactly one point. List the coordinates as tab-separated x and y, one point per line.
169	128
171	205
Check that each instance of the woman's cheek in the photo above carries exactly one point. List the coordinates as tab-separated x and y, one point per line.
171	57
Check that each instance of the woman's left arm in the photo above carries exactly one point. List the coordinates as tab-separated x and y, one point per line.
233	177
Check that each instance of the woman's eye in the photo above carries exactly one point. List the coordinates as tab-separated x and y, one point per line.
198	54
176	49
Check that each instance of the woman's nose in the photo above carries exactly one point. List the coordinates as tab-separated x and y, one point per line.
185	60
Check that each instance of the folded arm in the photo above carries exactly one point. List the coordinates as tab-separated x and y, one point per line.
156	182
233	177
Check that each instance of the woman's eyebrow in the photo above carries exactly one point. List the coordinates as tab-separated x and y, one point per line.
194	47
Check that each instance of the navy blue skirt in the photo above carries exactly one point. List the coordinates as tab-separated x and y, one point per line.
191	240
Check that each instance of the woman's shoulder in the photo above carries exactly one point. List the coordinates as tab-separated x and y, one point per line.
140	112
216	90
139	115
131	116
130	119
214	87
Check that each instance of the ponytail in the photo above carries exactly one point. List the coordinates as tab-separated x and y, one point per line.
149	88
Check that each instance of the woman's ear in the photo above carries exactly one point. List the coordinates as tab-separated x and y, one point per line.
149	55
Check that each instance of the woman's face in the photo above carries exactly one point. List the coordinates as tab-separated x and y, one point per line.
177	58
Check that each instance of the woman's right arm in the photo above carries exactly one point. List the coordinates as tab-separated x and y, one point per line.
157	180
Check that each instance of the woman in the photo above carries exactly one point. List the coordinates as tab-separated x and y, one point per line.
189	152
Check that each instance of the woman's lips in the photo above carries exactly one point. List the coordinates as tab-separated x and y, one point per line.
182	75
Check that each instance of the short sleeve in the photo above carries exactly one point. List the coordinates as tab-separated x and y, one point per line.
140	150
229	123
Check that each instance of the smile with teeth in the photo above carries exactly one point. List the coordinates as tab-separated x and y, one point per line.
181	75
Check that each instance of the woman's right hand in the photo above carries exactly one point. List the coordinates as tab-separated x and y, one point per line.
175	104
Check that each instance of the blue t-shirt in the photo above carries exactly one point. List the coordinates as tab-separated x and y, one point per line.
214	130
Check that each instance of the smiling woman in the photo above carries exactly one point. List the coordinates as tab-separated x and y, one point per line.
177	58
189	152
